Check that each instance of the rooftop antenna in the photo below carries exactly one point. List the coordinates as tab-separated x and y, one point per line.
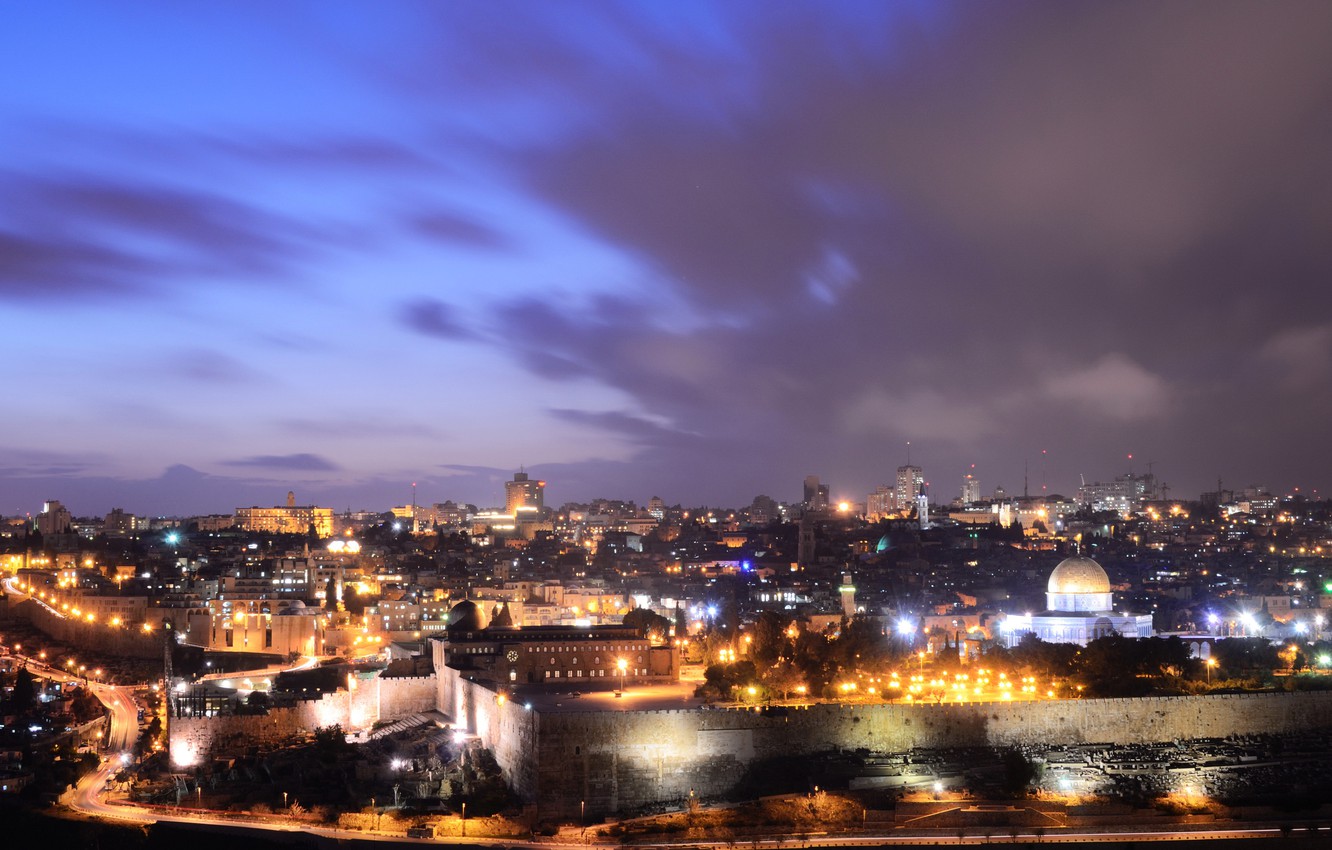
1024	480
1043	476
908	452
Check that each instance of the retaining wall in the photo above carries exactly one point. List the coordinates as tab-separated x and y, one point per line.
619	761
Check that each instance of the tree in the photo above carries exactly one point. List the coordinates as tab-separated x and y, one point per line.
648	622
769	639
25	690
782	678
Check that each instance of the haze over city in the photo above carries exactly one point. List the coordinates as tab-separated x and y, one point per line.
690	250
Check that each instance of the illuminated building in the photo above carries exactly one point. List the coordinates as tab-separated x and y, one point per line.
910	484
523	493
1125	493
579	656
880	504
289	519
1080	609
971	491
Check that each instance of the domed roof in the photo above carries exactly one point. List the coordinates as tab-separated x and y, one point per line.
464	617
1078	574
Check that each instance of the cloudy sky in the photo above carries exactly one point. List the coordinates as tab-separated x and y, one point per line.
696	250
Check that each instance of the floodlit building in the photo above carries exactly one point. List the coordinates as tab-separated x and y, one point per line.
288	519
1080	609
522	493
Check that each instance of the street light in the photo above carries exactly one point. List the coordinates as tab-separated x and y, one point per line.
622	665
1211	662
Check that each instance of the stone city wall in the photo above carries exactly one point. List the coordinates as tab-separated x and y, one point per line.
401	696
623	760
368	701
98	637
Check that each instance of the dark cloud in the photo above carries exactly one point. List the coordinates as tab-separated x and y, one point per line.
37	268
635	428
338	153
301	462
432	317
95	236
1036	228
449	227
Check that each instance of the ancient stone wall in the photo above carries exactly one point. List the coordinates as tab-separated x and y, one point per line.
98	637
623	760
401	696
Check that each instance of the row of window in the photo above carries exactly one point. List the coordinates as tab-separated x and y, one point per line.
591	674
601	647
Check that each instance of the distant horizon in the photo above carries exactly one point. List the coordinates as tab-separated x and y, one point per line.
193	487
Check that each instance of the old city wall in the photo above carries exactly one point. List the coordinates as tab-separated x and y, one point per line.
404	695
622	760
368	701
194	739
507	728
93	636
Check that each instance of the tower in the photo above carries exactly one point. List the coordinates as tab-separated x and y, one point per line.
910	484
971	491
522	493
848	592
805	543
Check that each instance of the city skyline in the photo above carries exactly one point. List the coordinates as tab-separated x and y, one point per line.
695	251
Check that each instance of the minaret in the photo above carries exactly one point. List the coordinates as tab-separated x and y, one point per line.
848	591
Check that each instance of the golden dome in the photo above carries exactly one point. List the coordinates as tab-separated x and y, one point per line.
1078	574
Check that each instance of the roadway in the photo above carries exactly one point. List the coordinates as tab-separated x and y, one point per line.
86	798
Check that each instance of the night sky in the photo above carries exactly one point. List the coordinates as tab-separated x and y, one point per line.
690	250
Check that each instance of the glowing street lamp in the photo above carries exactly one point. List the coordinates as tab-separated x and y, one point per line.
622	666
1211	662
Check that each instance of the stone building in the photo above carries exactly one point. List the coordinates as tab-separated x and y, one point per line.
1079	609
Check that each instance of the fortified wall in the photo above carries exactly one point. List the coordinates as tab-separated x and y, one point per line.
132	643
369	700
624	760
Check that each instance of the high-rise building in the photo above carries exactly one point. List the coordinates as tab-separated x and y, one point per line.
816	494
910	484
880	504
1125	493
971	492
522	493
